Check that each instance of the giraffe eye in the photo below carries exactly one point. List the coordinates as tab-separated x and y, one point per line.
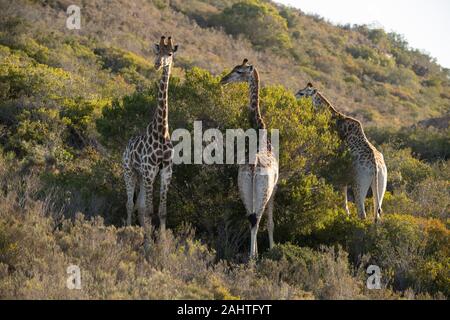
238	71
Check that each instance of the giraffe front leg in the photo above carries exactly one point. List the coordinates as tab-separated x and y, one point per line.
130	184
145	201
344	192
166	177
359	201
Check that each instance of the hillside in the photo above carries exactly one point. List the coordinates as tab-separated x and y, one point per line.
366	72
71	99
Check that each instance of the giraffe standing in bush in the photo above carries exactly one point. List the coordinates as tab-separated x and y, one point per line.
368	167
256	179
152	152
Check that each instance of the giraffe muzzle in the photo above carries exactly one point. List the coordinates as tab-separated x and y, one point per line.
224	80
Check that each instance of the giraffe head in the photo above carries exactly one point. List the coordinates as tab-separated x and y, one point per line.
164	52
240	73
308	91
319	100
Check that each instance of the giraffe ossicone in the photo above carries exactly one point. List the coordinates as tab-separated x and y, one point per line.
151	153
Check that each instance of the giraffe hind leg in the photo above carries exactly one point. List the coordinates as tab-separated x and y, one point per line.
245	185
270	224
362	185
263	188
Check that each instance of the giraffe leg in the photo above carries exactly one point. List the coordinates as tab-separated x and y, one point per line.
254	226
245	185
145	199
141	203
270	224
263	188
130	184
363	181
166	176
344	191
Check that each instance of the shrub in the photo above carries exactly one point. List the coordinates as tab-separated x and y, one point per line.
408	248
258	21
432	198
36	247
326	273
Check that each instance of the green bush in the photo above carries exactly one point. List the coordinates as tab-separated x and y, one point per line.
326	273
260	22
413	252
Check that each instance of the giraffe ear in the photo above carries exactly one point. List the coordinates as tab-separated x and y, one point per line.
175	48
156	48
314	91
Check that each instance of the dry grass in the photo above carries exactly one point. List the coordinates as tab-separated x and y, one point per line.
37	245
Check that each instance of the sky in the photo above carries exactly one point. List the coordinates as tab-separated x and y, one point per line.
424	24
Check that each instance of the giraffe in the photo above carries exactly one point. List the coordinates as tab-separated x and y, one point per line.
368	167
256	181
152	152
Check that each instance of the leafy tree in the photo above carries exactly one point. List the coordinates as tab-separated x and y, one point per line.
259	22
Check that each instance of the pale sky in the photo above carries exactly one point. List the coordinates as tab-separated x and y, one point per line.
424	24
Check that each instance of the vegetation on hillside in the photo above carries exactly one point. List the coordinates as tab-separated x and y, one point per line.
70	100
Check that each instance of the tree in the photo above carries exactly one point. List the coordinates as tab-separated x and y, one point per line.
259	22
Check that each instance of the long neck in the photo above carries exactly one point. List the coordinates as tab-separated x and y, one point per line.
160	123
255	115
319	99
256	120
350	130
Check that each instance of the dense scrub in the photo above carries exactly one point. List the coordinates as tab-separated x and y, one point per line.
37	245
71	100
369	73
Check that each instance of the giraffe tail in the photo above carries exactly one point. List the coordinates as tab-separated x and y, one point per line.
376	196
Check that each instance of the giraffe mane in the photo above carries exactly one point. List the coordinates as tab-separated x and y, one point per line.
329	104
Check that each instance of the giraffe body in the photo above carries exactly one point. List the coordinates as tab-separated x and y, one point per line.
257	183
256	180
151	153
368	166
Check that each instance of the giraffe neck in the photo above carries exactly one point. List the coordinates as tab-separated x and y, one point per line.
160	124
255	114
256	119
350	129
355	137
320	99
